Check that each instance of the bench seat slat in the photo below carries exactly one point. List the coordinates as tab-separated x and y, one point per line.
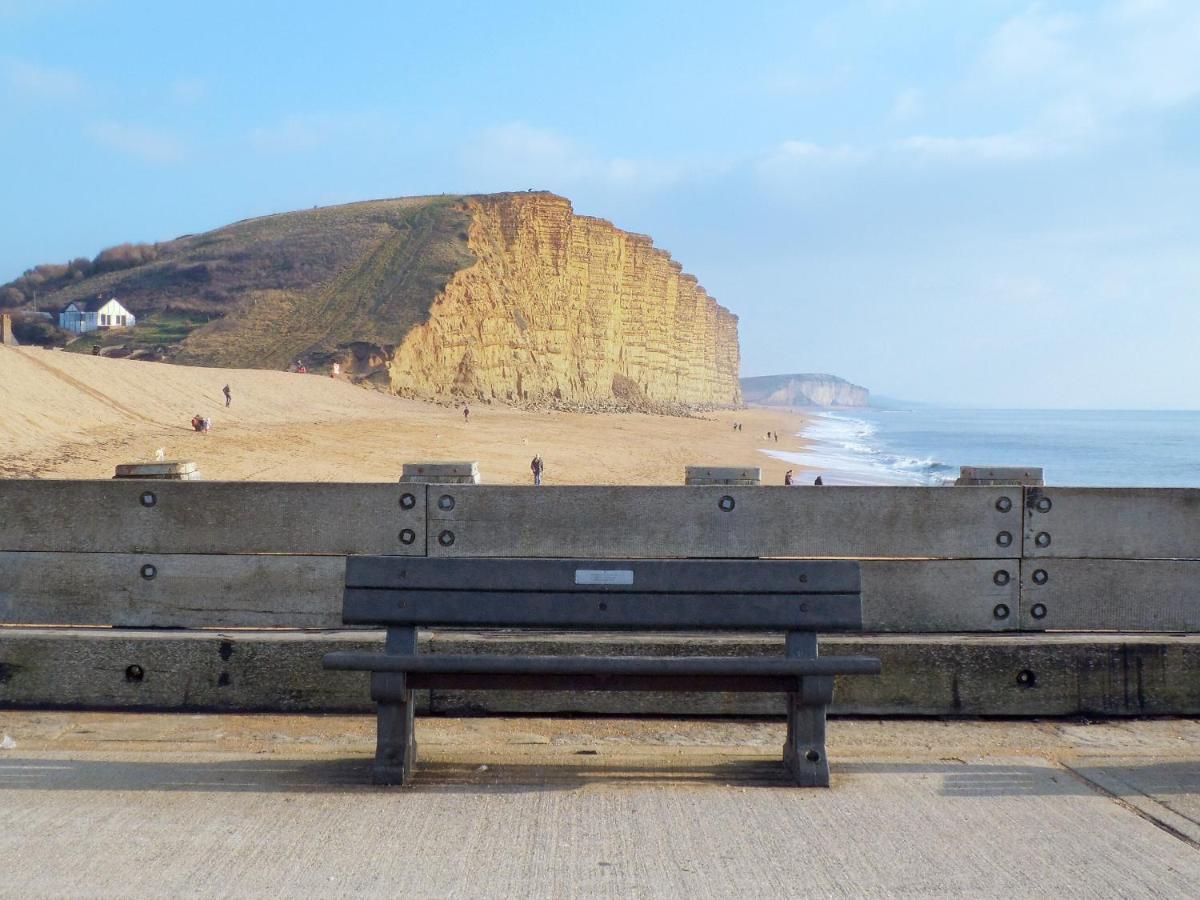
604	665
694	576
514	609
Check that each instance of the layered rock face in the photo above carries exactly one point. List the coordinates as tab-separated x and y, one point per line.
565	308
804	390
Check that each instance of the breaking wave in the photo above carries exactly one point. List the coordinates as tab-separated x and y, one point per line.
847	448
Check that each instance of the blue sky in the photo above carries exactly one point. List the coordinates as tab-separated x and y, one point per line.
979	203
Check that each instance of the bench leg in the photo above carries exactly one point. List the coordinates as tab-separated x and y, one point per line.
804	750
395	745
395	742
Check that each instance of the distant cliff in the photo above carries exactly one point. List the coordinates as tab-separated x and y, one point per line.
804	390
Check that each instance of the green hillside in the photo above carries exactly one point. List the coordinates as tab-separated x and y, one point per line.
263	292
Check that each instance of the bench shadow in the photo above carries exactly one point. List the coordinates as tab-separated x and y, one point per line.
352	775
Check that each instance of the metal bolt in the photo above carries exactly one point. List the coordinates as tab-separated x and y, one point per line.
803	577
445	502
1026	678
1001	611
1040	576
407	536
446	538
1001	578
1004	538
134	673
407	501
726	503
148	499
1004	504
1043	504
812	756
1038	610
149	571
1042	539
603	606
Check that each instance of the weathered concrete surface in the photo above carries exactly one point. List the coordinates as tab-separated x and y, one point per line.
151	805
262	671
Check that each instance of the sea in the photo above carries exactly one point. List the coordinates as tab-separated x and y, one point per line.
926	446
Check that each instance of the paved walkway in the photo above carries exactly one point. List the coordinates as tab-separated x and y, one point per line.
153	805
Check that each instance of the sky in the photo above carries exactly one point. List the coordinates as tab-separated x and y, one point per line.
984	203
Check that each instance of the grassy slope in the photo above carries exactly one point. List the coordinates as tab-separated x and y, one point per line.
297	283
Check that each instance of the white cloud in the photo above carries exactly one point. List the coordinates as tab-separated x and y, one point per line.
145	144
795	154
302	133
32	81
521	155
907	105
188	90
985	148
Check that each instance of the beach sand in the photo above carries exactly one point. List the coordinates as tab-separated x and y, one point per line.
64	415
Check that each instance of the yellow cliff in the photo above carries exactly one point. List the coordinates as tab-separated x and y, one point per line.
560	307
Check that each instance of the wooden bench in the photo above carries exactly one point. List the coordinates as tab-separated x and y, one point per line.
798	598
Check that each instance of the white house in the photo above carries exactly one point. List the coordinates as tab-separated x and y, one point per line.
83	316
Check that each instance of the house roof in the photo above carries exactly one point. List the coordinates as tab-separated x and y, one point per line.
93	305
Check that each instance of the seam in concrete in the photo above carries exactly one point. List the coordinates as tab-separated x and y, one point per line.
1143	805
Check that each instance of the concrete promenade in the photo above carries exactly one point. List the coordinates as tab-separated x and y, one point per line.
135	805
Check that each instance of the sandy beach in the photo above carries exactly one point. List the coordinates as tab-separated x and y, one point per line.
72	416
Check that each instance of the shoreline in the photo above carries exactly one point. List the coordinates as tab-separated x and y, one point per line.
76	416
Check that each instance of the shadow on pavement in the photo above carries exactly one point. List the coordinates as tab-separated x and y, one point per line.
953	778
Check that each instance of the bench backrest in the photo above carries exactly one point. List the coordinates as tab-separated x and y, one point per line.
708	594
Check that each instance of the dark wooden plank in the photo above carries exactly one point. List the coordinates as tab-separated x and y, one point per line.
177	590
685	576
638	684
485	664
514	609
728	522
1112	523
211	517
1110	595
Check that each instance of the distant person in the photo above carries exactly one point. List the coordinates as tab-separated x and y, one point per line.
197	422
466	414
335	370
788	479
536	466
777	437
228	395
95	349
818	481
205	425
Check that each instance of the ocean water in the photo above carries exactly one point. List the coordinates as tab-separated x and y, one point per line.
1074	447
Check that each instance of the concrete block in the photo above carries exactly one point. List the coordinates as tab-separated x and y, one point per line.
740	475
441	473
999	475
172	468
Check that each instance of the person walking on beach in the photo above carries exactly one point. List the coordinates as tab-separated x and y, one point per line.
787	478
466	414
228	395
536	466
777	437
